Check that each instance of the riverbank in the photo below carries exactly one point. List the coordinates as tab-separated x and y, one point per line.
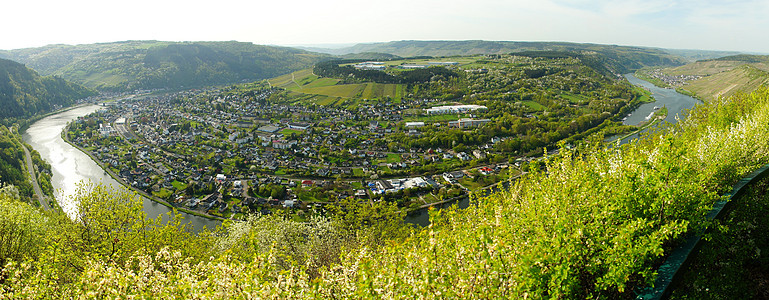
122	182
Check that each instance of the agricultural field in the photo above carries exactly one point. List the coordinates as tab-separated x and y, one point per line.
306	82
741	79
704	68
534	105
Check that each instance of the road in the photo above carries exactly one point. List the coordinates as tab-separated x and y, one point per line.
38	192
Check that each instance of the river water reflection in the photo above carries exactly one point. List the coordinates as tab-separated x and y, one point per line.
70	166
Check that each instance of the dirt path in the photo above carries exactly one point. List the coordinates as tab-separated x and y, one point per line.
726	90
294	80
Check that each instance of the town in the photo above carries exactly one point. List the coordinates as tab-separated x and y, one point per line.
225	152
252	156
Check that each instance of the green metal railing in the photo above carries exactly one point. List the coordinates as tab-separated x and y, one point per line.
667	274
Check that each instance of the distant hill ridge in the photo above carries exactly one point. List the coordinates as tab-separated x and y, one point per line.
130	65
630	56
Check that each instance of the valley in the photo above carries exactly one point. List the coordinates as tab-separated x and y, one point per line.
300	141
303	167
714	78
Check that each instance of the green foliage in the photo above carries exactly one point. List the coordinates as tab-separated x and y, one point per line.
23	93
22	228
12	166
333	69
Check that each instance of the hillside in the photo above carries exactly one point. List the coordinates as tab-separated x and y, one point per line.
133	65
12	168
723	76
24	93
744	78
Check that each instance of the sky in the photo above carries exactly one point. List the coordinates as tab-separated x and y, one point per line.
734	25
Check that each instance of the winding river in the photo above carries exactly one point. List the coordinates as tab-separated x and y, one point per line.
70	166
675	102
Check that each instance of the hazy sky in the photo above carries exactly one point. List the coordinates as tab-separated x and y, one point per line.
689	24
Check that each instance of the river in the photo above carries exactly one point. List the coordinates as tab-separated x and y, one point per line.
675	102
70	166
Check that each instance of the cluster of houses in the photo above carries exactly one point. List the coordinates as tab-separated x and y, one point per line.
267	138
674	80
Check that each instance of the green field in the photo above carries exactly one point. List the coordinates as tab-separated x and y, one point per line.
646	96
391	158
178	185
574	98
704	68
291	81
344	91
307	83
289	131
534	105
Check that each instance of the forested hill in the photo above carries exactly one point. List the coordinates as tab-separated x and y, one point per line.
24	93
134	65
627	57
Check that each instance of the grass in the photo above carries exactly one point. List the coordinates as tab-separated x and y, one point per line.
646	96
358	172
162	194
330	90
290	81
391	158
430	198
344	91
470	184
289	131
574	98
534	105
321	82
178	185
